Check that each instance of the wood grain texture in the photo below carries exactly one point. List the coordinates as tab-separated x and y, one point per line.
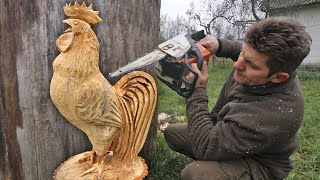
34	137
10	115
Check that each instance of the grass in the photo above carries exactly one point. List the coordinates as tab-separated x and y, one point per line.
167	164
307	157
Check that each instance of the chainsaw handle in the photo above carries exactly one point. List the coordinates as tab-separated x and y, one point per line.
201	52
199	60
186	92
197	52
205	53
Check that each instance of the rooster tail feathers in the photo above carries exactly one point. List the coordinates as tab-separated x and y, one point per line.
137	94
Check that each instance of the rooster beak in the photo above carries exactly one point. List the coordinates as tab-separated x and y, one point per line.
68	21
70	24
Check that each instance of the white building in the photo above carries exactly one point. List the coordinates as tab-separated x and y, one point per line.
308	13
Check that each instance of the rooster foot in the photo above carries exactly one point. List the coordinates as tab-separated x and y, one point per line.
88	157
89	171
101	161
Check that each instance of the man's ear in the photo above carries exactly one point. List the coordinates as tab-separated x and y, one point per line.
279	77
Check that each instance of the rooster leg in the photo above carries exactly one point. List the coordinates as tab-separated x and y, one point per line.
96	166
100	171
93	152
107	159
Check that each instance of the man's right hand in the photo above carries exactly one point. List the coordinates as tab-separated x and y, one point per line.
203	75
211	43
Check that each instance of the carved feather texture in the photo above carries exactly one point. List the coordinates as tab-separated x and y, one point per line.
95	106
137	95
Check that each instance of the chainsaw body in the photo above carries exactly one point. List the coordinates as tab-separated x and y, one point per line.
172	61
172	71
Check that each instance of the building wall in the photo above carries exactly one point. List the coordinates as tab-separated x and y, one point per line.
309	17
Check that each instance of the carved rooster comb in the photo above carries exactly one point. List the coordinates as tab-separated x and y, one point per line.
82	12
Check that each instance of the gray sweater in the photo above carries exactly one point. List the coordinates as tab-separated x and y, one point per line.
260	122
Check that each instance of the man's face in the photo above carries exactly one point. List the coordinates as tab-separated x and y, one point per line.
251	67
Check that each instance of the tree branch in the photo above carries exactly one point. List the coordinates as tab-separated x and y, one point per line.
254	13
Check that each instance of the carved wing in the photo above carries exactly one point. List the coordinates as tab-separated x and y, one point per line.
137	96
97	104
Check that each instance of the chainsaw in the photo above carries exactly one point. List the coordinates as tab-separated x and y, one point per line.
172	62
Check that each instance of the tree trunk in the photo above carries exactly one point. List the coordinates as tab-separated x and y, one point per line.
34	138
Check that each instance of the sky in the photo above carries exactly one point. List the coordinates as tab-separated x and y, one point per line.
174	7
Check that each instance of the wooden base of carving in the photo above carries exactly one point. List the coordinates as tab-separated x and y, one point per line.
76	168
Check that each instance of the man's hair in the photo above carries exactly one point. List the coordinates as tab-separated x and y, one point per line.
283	40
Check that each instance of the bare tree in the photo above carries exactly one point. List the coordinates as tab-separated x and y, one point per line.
208	15
214	14
170	28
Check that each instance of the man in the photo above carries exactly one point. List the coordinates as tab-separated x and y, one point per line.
252	130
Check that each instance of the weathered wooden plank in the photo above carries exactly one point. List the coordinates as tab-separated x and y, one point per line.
10	119
46	139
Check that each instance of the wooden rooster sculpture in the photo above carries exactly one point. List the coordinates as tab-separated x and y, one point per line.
115	118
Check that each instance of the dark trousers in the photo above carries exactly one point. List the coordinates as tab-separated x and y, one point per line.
179	140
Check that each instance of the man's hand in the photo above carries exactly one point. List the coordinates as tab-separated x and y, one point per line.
202	75
211	43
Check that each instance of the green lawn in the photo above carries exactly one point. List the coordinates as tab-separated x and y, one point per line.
167	164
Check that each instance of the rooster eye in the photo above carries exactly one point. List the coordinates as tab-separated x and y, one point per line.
75	22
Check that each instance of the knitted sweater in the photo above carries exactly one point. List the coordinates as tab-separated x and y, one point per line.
260	122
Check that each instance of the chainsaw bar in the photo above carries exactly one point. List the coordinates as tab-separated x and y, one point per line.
176	47
148	59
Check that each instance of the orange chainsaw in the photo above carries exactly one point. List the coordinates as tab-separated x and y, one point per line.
172	62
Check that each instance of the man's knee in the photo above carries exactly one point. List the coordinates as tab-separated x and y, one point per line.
168	135
203	170
172	136
168	132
